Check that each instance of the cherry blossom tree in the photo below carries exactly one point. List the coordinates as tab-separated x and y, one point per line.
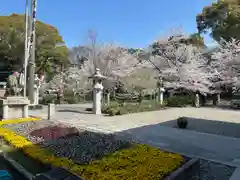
226	62
114	61
182	65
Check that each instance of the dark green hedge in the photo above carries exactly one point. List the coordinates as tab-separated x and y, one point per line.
180	101
121	108
48	99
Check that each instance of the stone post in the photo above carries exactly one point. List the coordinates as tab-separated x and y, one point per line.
97	91
25	111
51	111
5	112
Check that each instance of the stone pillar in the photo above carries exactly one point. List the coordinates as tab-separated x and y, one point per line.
5	112
51	111
97	99
25	111
197	102
160	96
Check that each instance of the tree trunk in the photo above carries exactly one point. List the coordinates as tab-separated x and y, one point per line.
216	99
114	94
203	100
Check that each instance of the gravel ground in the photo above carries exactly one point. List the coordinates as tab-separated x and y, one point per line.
213	171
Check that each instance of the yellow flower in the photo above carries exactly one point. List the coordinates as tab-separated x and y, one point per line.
16	121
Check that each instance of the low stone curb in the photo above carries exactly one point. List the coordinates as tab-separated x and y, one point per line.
16	166
235	175
186	170
57	174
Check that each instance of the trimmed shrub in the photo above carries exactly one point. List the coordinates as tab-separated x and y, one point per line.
182	122
127	108
180	101
71	99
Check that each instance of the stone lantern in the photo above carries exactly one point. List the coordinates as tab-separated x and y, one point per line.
161	89
97	91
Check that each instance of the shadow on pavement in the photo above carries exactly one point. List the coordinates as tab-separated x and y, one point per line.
75	111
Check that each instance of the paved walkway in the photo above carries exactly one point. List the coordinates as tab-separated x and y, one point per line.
146	127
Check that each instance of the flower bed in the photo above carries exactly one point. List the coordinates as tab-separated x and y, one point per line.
116	159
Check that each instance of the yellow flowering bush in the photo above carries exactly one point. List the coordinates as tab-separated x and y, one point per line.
17	121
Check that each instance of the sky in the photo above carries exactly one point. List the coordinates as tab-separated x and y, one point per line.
131	23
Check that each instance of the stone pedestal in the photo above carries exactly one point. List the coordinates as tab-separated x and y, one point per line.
14	107
97	98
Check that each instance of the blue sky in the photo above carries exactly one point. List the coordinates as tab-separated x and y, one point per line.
132	23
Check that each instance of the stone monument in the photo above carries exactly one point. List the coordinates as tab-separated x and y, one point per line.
97	91
14	105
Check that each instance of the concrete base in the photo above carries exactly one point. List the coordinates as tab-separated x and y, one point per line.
14	107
